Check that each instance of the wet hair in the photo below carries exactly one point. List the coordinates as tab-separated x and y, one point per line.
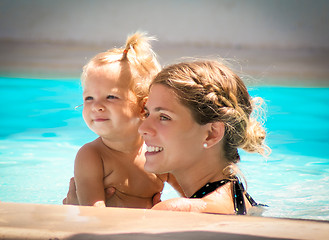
213	92
136	56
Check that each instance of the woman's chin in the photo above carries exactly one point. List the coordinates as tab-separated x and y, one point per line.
150	168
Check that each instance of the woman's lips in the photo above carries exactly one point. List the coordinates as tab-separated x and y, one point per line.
151	150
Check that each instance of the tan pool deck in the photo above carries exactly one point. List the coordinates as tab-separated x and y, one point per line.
39	221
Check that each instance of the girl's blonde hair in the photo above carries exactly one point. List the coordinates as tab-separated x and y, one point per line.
137	57
213	92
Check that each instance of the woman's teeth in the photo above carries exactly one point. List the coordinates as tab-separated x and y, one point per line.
154	149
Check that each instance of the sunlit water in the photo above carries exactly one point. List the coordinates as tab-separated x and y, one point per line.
40	133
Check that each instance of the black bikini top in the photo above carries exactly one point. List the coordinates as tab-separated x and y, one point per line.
238	192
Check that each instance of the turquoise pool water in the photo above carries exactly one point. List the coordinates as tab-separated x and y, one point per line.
40	133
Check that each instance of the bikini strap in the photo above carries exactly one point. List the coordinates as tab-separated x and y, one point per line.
238	194
208	188
238	199
253	202
239	203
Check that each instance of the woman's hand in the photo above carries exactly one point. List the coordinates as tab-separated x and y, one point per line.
156	198
71	196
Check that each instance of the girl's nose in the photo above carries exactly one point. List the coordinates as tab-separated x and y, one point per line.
98	107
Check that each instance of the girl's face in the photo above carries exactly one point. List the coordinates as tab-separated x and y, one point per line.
174	139
110	108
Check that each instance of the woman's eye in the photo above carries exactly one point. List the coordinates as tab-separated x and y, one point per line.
164	118
111	97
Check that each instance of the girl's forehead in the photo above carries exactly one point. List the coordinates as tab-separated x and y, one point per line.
109	75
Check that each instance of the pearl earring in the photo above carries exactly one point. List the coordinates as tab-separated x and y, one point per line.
205	145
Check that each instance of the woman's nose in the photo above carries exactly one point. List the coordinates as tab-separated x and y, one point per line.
146	128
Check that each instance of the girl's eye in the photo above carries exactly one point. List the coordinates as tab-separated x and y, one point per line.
111	97
164	118
88	98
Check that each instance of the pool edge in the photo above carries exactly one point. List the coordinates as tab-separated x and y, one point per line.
40	221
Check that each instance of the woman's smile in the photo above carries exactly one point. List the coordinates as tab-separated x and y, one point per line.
154	149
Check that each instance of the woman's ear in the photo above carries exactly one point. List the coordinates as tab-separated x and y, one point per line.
216	133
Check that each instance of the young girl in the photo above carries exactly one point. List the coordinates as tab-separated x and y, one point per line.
197	116
115	84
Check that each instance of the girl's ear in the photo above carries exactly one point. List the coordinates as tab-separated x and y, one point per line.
216	133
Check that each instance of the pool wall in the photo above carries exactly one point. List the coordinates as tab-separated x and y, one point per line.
40	221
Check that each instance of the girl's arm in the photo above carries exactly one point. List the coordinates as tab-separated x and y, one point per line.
88	176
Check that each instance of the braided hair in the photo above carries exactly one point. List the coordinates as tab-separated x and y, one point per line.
213	92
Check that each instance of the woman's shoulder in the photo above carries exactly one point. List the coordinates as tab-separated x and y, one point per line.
220	200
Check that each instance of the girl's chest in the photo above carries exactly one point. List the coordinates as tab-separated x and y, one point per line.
129	177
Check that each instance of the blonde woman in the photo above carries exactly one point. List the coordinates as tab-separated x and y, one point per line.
197	116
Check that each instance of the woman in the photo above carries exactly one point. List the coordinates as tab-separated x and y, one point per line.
197	116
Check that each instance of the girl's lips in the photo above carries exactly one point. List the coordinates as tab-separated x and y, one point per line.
100	119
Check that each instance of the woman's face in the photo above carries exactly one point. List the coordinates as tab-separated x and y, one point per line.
174	139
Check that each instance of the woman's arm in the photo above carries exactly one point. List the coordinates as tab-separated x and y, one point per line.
182	204
220	201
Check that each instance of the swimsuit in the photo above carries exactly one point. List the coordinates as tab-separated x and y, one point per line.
238	191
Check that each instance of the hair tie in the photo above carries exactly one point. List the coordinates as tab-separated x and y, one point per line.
124	54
